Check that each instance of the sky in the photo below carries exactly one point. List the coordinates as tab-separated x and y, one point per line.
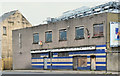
37	11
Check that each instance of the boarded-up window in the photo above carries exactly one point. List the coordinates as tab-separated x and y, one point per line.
82	61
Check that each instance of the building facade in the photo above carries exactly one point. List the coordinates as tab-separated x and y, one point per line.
78	43
10	21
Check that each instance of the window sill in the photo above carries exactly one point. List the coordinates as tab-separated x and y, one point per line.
34	43
5	34
48	41
62	40
79	38
97	36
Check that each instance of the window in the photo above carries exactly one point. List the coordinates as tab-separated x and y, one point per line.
35	55
79	32
4	30
63	35
20	40
36	38
63	54
98	30
82	61
48	36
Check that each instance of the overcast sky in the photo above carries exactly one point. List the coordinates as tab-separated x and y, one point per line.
36	11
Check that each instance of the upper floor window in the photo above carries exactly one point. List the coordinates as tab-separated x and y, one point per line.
63	35
4	30
79	32
35	38
48	36
98	30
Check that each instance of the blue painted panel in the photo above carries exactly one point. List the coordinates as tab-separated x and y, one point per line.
37	66
100	45
100	67
102	56
62	67
62	57
83	68
53	62
98	62
37	62
89	52
38	58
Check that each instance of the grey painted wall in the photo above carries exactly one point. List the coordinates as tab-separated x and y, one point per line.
23	61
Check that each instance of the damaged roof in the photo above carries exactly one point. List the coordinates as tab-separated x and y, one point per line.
6	15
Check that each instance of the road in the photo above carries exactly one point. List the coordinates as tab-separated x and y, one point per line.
49	74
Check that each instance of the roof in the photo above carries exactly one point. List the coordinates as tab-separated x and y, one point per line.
6	15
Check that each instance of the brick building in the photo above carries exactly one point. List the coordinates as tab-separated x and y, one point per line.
10	21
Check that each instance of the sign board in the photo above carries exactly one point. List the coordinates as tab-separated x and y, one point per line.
114	34
66	49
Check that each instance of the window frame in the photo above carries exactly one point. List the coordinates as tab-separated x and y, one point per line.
63	54
46	36
60	35
76	33
98	26
80	59
4	30
35	55
33	38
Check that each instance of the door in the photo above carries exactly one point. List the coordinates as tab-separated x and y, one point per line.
45	63
93	63
75	63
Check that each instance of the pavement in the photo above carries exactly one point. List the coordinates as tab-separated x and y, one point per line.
60	72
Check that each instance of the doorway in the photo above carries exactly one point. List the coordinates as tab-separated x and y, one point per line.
93	62
45	63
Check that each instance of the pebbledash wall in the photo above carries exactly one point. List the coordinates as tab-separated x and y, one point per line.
82	53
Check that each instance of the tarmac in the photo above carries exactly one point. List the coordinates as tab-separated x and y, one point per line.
63	71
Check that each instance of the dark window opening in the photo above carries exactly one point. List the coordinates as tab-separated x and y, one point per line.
4	30
35	55
63	54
